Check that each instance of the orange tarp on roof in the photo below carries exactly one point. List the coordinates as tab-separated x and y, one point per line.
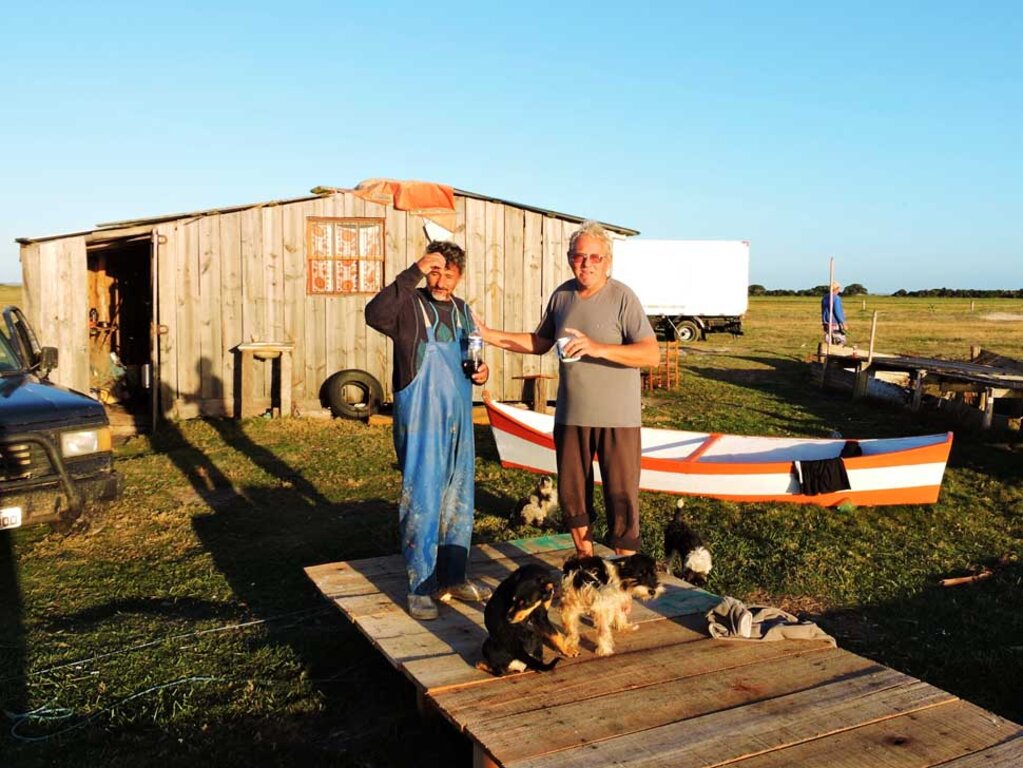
432	201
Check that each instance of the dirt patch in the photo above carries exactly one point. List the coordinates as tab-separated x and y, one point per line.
1002	317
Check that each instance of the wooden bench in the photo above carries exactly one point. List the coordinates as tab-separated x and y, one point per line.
670	696
534	390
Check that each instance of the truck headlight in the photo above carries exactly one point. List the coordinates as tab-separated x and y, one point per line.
84	442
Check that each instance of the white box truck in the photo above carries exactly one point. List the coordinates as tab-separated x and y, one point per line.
689	288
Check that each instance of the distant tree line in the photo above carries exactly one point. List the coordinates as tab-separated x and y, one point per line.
964	293
855	289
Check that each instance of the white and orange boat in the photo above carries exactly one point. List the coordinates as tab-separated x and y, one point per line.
901	470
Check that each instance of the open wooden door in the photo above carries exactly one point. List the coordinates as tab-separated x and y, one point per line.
158	240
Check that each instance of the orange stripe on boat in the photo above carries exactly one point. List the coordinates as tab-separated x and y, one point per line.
924	494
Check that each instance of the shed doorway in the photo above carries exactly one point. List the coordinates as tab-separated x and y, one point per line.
121	360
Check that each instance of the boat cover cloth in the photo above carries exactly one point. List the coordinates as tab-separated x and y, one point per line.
822	476
428	199
732	620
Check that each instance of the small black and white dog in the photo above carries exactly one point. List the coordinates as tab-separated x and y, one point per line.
684	551
517	623
536	508
604	589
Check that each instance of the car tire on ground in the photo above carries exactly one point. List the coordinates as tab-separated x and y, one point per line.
353	394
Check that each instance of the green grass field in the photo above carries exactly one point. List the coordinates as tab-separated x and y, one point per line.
177	627
10	294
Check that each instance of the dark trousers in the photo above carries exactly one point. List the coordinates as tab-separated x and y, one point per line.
618	451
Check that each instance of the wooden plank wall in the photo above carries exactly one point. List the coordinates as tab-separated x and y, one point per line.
224	279
55	290
167	259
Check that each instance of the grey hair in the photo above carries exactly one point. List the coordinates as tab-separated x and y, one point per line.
593	229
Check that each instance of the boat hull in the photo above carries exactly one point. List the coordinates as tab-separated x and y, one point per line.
748	469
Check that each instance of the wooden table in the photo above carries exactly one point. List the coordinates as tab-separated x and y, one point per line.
670	696
278	352
534	390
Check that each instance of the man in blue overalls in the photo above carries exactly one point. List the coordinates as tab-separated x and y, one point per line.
433	430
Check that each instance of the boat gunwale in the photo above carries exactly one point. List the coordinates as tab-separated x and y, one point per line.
932	453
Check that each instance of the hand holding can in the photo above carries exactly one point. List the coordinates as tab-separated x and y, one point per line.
562	344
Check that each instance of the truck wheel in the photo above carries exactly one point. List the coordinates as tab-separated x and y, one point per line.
353	394
687	330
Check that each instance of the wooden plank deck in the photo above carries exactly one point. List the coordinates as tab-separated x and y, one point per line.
670	696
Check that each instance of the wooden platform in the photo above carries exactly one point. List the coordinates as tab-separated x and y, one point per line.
670	696
979	382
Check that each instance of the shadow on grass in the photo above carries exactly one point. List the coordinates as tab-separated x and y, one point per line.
960	638
13	695
261	540
186	608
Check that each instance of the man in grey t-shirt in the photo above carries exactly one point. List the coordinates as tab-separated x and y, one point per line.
598	408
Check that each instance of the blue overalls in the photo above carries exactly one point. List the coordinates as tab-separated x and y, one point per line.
433	437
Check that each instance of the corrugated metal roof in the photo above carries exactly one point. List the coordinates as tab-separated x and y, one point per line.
129	223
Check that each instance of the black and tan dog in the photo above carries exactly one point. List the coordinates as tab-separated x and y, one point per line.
517	623
604	589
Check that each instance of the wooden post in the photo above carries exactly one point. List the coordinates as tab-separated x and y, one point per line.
822	358
285	379
989	408
918	389
873	333
974	351
247	405
862	382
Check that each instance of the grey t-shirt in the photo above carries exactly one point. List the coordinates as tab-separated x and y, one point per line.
592	392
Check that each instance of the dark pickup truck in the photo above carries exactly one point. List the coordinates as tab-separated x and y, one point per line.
55	444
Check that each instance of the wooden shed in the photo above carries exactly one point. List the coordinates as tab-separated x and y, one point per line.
154	315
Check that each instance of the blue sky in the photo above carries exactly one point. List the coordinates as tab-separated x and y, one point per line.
885	135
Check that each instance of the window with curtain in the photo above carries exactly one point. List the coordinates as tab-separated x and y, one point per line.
344	255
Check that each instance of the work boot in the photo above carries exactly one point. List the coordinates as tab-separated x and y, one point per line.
422	607
468	592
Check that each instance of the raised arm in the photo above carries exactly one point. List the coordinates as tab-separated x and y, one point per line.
525	343
383	310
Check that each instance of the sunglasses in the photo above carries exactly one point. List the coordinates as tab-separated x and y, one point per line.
579	258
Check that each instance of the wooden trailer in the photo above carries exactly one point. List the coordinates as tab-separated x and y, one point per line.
177	316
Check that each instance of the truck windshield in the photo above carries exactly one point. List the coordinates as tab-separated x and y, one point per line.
9	362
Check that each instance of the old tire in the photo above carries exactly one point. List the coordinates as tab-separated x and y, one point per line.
353	394
687	330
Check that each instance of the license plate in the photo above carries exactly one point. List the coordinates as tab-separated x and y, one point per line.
10	517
